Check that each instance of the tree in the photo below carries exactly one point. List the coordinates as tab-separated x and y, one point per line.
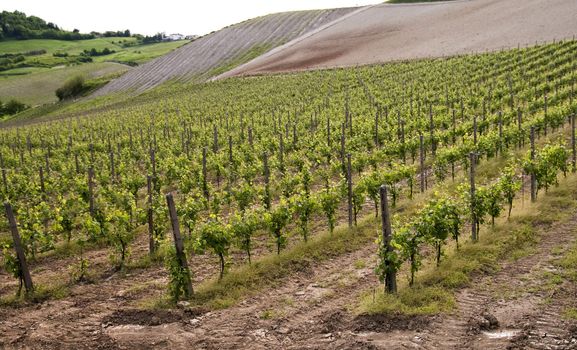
329	201
304	207
372	183
217	236
243	228
358	200
72	88
494	200
408	240
276	219
510	185
120	233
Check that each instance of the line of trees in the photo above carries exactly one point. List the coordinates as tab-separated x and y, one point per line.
16	25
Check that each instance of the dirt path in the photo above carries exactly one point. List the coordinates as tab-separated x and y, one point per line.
311	310
299	313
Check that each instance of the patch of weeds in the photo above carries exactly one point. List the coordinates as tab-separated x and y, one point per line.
360	264
570	313
270	314
558	250
41	293
418	300
513	238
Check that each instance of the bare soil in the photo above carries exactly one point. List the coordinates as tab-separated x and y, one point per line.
389	32
312	309
223	47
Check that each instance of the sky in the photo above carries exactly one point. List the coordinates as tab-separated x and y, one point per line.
169	16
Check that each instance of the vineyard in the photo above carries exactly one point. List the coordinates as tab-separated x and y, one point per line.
220	190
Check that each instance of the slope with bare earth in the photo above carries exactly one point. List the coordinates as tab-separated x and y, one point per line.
404	31
222	50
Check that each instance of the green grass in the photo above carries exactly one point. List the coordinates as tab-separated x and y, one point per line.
241	58
496	244
142	53
55	291
138	53
269	271
51	46
38	88
36	85
419	300
570	314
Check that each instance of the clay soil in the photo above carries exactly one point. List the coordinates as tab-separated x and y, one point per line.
311	309
389	32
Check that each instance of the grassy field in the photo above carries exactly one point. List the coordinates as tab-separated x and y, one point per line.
141	53
38	87
71	47
137	54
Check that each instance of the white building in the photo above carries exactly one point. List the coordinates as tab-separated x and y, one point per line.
174	37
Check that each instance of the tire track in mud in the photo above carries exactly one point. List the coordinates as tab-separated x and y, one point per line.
291	316
487	319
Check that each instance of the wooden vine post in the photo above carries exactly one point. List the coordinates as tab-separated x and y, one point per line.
91	191
178	244
390	275
377	128
23	266
42	187
112	168
500	148
5	182
350	190
432	131
422	162
76	164
520	126
454	131
533	177
266	181
573	145
151	242
475	130
545	115
204	175
214	139
472	194
281	153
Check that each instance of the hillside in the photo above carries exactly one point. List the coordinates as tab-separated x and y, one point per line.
404	31
222	50
36	86
34	78
279	212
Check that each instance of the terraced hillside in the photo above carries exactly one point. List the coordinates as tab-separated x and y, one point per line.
225	49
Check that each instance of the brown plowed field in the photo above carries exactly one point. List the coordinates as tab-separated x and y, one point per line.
232	45
404	31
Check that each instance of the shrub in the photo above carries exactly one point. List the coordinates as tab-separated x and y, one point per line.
12	107
71	88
